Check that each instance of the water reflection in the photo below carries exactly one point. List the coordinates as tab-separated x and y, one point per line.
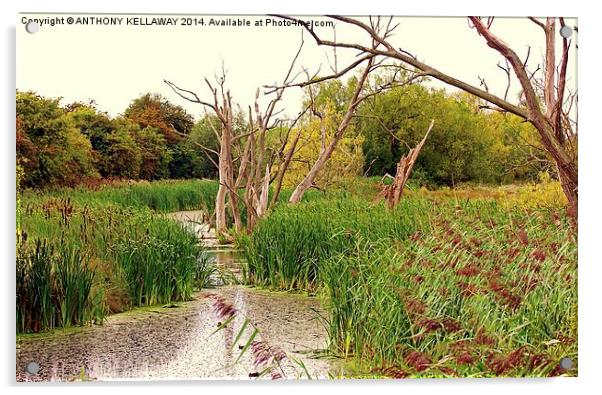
177	343
181	343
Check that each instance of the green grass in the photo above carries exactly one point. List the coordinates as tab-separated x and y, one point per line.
159	196
84	254
435	288
287	248
160	261
54	289
472	283
74	279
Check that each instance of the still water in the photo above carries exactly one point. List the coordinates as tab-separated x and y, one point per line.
177	343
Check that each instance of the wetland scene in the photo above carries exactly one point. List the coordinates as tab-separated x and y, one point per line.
179	341
345	211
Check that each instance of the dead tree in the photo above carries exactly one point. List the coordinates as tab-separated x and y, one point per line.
247	147
221	107
552	119
392	193
361	92
327	150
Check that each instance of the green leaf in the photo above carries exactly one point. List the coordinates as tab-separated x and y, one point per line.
246	347
222	325
240	332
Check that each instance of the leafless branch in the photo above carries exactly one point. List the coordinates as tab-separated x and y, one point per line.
538	23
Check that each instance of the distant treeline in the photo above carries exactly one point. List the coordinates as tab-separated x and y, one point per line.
468	143
67	145
77	143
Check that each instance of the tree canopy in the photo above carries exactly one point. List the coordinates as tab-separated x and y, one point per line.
154	139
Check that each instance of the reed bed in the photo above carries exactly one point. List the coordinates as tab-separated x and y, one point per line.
159	196
435	288
160	261
54	289
88	254
287	248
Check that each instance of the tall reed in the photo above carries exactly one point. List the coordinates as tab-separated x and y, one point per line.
159	196
480	291
140	257
443	286
74	285
287	248
54	288
160	260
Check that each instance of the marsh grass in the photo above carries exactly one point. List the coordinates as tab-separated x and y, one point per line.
54	289
74	279
491	293
287	248
438	287
159	196
161	262
84	254
470	283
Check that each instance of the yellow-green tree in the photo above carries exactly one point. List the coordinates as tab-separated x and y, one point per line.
346	160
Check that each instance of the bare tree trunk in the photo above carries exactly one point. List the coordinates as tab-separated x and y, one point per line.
404	170
569	181
326	152
283	168
235	211
220	209
221	223
262	206
553	134
310	178
226	157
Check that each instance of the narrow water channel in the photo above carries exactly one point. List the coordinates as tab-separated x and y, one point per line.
178	343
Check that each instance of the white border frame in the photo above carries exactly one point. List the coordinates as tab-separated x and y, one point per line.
589	221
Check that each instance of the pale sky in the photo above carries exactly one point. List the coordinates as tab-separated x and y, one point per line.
115	64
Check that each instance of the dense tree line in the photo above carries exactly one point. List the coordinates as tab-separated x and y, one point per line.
65	145
467	143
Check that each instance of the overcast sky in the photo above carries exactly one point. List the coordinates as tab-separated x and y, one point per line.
115	64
